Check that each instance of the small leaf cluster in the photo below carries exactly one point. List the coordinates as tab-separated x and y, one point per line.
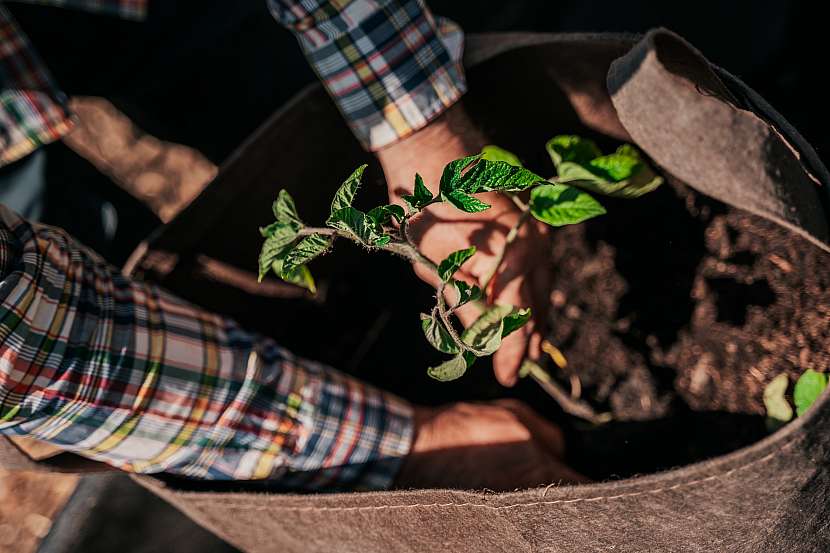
622	174
290	245
807	388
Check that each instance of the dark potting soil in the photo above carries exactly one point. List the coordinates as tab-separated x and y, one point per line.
674	312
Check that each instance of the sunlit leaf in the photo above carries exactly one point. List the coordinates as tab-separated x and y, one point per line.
304	251
496	176
808	387
464	202
485	334
495	153
466	292
449	370
345	194
437	334
280	238
452	172
355	222
421	197
383	214
285	211
560	204
453	262
515	320
623	174
570	148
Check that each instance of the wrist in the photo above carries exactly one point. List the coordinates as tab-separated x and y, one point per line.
450	136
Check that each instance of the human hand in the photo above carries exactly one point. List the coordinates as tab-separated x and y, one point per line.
522	279
502	445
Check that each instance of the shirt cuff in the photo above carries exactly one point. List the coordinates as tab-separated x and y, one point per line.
354	436
33	112
390	66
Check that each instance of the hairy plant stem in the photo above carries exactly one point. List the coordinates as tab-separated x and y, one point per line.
572	406
403	249
441	306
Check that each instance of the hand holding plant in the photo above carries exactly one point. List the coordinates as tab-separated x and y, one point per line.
290	244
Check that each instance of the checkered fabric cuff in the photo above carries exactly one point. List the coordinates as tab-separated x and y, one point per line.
355	438
33	111
389	65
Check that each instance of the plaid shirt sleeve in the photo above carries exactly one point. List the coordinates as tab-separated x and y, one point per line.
33	111
389	65
122	372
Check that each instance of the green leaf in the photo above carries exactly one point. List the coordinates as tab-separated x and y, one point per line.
437	334
355	222
269	230
306	249
778	410
453	262
301	276
494	153
421	197
484	335
560	204
449	370
616	167
345	194
642	183
807	388
515	320
465	203
275	246
285	211
571	148
496	176
383	214
482	176
466	293
452	172
622	174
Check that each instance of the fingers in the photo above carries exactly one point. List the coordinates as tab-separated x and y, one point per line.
426	274
542	430
508	358
550	440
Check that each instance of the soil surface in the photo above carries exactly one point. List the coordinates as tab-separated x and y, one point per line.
674	312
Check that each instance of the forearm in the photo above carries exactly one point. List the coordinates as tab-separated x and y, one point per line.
122	372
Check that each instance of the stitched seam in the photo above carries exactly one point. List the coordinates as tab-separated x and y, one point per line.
764	459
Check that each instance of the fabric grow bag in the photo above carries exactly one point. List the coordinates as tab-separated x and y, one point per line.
703	128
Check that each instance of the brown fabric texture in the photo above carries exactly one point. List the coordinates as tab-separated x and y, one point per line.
675	107
704	128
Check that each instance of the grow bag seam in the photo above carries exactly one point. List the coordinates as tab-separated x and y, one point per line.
765	458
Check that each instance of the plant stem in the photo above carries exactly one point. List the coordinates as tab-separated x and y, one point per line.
571	406
403	249
441	305
407	238
306	231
